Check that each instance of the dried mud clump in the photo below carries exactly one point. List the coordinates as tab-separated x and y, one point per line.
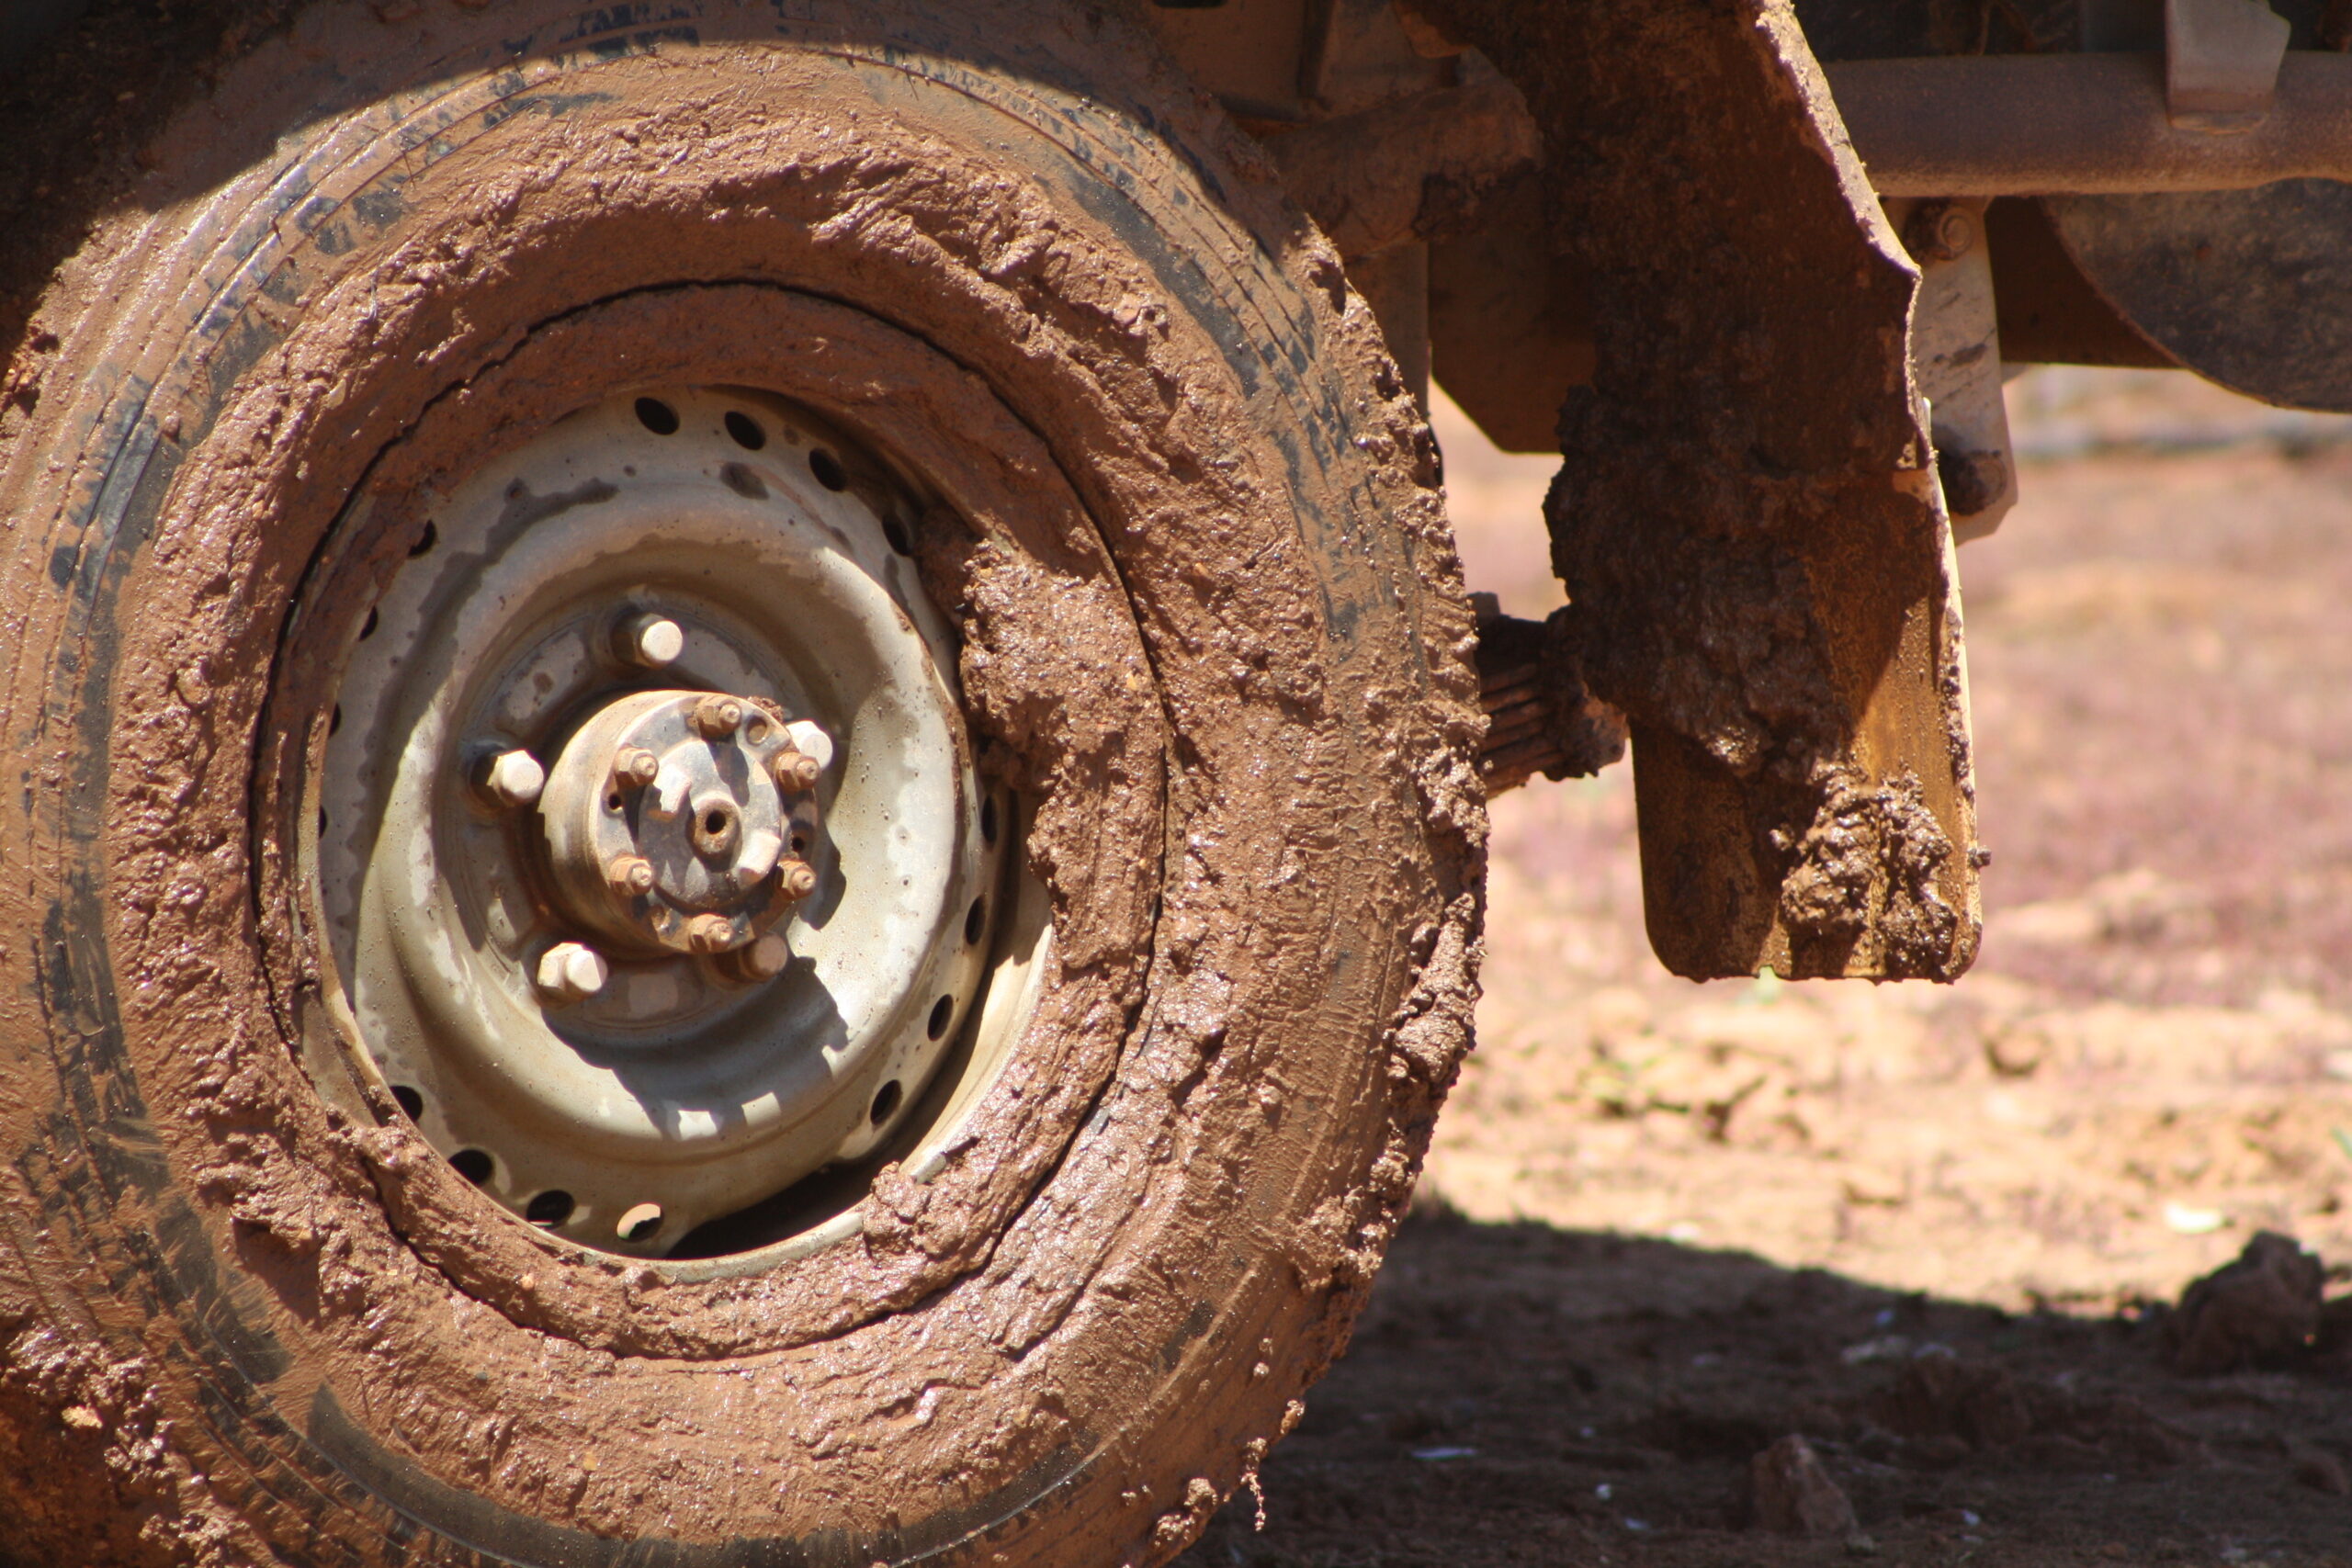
1869	862
1944	1399
1794	1494
2254	1311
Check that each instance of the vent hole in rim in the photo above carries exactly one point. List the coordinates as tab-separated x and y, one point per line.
474	1165
886	1102
987	821
745	430
896	532
549	1208
411	1103
424	541
976	919
640	1224
828	469
942	1012
657	416
368	627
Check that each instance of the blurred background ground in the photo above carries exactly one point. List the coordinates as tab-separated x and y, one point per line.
1664	1225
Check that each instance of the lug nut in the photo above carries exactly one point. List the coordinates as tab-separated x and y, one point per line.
763	960
709	933
794	878
569	971
796	770
634	767
649	641
768	956
509	780
715	717
629	876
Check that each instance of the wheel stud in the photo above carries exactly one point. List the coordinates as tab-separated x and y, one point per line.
796	879
634	767
569	971
649	641
629	876
709	933
796	770
715	717
509	781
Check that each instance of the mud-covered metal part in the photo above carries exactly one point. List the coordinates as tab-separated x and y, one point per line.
1510	323
2249	289
2020	125
2046	310
1541	717
1414	170
1768	593
1956	358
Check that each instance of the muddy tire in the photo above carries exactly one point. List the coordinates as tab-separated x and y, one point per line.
1137	448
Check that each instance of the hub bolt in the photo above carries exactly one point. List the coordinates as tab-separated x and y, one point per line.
569	971
635	767
794	878
649	641
796	770
630	875
709	933
509	780
715	717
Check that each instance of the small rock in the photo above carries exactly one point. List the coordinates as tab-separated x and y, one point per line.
82	1418
1794	1494
2261	1306
2321	1471
2182	1220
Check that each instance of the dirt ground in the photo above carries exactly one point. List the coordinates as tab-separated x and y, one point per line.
1938	1233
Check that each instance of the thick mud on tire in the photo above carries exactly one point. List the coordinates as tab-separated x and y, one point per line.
1181	518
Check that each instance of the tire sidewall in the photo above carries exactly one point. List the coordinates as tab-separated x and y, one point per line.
1276	986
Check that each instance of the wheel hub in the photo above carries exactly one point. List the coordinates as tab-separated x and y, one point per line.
675	823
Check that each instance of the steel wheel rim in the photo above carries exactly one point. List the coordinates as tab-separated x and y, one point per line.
617	1120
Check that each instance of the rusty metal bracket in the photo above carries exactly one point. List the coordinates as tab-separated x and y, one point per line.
1956	358
1749	521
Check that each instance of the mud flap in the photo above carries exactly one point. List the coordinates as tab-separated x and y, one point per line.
1748	520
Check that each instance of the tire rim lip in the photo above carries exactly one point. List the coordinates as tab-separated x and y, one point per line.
792	590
